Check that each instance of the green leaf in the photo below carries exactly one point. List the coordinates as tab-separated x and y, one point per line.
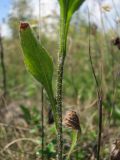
27	114
68	8
37	60
73	6
51	147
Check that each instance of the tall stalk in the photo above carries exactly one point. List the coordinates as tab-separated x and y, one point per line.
60	70
67	9
99	95
3	66
42	121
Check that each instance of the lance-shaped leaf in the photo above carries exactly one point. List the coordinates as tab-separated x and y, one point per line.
37	60
73	6
68	7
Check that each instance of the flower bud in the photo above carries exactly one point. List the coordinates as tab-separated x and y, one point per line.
71	120
116	42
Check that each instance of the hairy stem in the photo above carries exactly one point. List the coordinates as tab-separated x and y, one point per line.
60	70
59	105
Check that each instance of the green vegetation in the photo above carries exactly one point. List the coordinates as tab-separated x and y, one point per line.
20	117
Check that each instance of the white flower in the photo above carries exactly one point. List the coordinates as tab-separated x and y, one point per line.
106	8
117	20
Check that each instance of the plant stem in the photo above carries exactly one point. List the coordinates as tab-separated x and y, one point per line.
100	126
3	67
99	94
42	119
60	70
59	105
74	141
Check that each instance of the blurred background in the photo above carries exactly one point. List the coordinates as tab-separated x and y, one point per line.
20	95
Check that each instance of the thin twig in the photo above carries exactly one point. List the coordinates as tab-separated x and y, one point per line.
3	66
98	94
18	140
42	123
18	151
